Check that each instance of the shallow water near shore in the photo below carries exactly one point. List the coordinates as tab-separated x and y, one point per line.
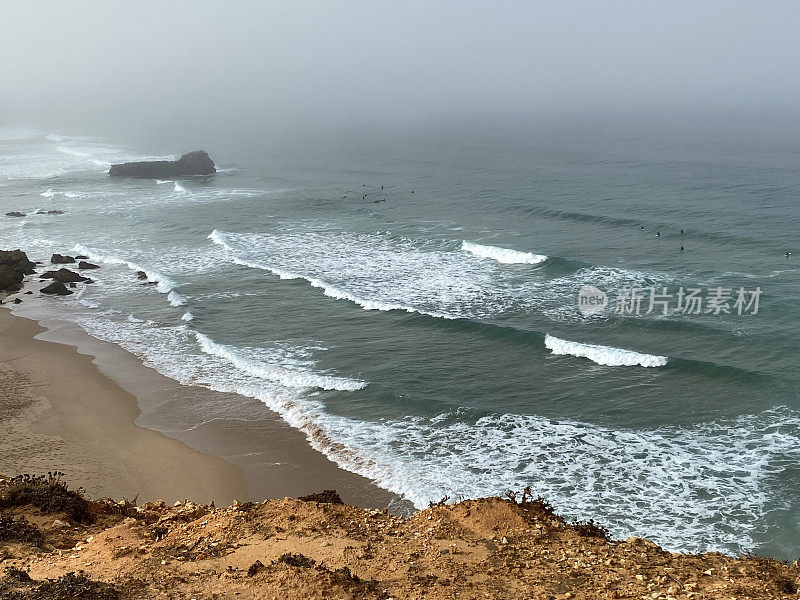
432	342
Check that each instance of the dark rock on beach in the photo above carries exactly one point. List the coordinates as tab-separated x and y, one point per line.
58	259
193	163
56	288
87	265
17	260
81	257
50	212
10	279
141	275
15	213
14	265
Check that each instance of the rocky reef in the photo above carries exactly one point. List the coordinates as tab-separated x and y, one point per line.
193	163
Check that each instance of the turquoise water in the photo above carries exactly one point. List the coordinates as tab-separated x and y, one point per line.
433	342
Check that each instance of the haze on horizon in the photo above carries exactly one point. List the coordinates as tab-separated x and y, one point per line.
285	68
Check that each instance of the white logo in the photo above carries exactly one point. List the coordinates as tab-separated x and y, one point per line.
591	300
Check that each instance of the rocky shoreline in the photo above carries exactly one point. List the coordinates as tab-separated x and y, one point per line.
15	266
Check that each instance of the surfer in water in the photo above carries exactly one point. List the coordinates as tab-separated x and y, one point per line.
682	248
658	234
641	227
788	254
681	231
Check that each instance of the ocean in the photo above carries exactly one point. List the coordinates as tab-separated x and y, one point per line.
411	304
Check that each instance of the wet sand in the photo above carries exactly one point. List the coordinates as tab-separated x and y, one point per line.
119	428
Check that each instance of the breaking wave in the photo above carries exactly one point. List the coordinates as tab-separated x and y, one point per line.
603	355
273	365
329	289
162	283
503	255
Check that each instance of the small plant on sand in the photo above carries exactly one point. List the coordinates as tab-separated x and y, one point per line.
441	502
19	530
48	493
323	497
75	587
591	529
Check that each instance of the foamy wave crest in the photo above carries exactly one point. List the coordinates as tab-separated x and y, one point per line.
84	302
163	283
51	194
603	355
179	187
329	289
187	316
503	255
175	299
381	271
273	366
84	151
684	500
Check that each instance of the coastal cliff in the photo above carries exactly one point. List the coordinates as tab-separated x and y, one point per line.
318	547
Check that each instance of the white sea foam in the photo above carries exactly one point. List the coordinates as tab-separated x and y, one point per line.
603	355
684	500
163	283
175	299
329	289
51	194
161	181
187	316
54	137
87	151
503	255
274	366
379	271
179	187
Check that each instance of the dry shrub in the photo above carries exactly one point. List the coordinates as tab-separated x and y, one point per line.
47	493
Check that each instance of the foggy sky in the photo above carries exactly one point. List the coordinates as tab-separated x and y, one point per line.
275	66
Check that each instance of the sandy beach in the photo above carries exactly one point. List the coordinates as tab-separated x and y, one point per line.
121	430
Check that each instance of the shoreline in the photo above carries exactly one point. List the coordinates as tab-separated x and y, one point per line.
119	428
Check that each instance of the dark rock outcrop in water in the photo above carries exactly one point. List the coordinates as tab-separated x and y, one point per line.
65	276
59	259
15	213
87	265
193	163
14	265
56	288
